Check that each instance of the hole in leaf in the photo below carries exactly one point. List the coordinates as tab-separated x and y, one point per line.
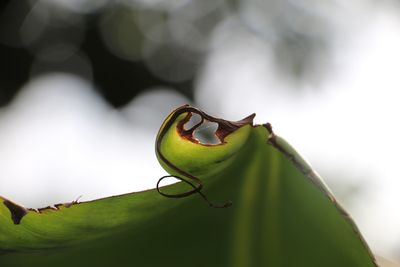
205	133
194	120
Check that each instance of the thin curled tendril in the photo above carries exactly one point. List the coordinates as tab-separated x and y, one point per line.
191	180
196	189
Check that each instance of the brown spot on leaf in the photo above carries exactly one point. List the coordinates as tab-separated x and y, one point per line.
227	127
17	212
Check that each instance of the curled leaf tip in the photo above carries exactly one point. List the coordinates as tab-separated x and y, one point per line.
178	119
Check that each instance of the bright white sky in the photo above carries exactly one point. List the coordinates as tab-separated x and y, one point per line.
59	140
347	127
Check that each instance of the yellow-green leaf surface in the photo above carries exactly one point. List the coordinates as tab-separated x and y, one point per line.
249	201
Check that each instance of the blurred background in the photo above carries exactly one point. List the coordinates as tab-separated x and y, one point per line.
84	86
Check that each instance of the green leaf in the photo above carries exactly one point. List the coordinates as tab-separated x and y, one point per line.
274	210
